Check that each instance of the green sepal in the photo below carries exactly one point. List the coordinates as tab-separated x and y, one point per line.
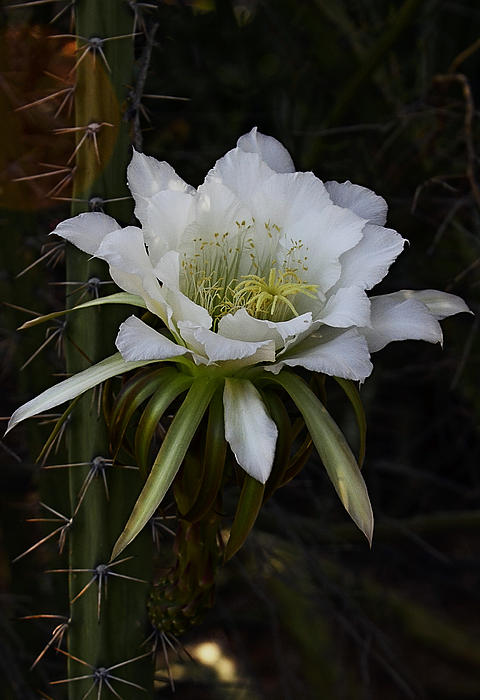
249	503
299	459
137	390
153	412
281	462
213	462
118	298
333	449
44	452
188	482
75	385
169	458
353	395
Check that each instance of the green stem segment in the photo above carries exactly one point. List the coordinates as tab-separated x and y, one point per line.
101	161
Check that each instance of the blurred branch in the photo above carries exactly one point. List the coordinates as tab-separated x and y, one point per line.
468	120
398	23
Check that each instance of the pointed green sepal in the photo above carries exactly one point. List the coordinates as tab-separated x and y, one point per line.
176	384
249	503
45	451
137	390
213	462
353	395
298	460
118	298
281	462
333	449
74	386
168	460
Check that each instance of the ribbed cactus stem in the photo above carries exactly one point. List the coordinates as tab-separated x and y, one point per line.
114	636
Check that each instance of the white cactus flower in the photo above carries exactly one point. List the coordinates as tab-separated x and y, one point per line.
260	265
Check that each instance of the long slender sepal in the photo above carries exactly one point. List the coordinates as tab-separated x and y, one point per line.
57	431
249	503
334	451
281	462
213	462
74	386
353	395
137	390
154	410
118	298
168	460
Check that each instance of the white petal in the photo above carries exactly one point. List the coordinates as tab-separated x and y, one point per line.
397	318
217	348
124	249
440	304
167	269
217	211
368	262
73	386
242	326
270	150
249	430
86	231
362	201
336	353
184	309
137	341
350	306
146	176
241	172
325	238
164	219
283	199
130	267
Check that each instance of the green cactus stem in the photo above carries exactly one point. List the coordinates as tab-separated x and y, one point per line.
111	632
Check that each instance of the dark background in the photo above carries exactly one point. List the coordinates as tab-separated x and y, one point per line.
383	94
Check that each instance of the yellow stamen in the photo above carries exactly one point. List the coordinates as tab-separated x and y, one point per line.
269	299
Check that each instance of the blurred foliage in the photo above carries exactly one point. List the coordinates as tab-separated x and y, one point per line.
381	93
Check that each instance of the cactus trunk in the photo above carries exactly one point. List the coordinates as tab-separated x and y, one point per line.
114	636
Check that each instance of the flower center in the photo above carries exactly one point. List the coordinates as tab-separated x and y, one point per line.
225	273
271	298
